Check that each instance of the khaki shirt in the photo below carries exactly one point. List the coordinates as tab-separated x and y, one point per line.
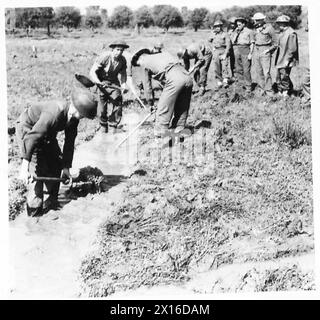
157	62
108	69
220	40
265	36
245	37
198	52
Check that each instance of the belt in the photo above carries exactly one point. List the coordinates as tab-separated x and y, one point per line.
263	45
241	45
219	47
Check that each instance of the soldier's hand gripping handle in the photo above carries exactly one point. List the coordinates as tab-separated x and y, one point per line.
67	176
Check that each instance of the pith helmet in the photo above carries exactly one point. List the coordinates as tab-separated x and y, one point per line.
85	102
242	19
232	20
258	16
181	52
283	18
218	23
120	43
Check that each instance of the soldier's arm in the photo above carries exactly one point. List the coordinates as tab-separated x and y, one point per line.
148	90
273	41
123	74
292	46
252	41
34	136
99	64
228	45
70	132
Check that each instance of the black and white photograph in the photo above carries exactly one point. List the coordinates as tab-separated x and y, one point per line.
159	149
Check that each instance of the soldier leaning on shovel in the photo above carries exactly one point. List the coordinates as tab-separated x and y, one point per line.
36	132
105	71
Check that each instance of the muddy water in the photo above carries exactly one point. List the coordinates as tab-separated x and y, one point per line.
46	252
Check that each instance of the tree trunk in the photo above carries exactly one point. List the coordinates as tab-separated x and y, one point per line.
48	29
195	29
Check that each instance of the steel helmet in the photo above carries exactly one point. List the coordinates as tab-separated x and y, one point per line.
181	52
85	102
232	20
218	23
258	16
241	19
283	18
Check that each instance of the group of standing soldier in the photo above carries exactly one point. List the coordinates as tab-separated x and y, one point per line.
114	69
239	51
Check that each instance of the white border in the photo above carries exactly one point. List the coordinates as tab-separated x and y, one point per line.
217	5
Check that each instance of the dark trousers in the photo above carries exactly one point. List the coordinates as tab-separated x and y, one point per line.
112	96
283	79
230	64
243	66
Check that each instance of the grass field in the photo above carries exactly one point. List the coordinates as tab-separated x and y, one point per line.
249	199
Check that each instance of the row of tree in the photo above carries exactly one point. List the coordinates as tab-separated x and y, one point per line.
163	16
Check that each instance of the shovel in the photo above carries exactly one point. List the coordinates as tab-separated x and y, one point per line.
85	81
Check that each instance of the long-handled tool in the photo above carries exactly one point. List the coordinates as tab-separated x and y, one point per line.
85	81
140	101
89	84
133	131
66	181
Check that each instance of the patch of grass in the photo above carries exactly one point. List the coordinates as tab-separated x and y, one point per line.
287	131
17	198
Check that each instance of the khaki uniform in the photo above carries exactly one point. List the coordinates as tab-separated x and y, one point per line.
141	78
264	40
221	44
201	54
174	102
36	132
108	70
287	56
241	42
